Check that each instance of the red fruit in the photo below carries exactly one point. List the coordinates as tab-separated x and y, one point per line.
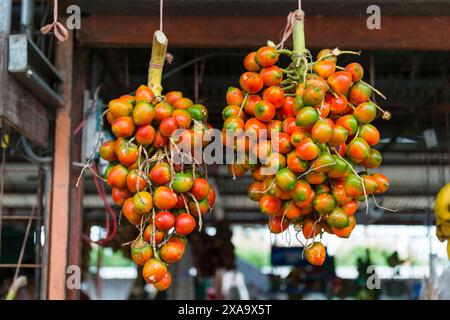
310	228
148	234
120	195
307	149
251	82
234	96
324	68
164	283
160	173
269	205
271	76
141	252
172	252
163	110
281	143
154	271
316	254
144	93
200	189
340	82
143	202
168	126
274	95
286	110
250	62
249	105
182	118
173	96
264	111
211	197
164	198
143	113
123	127
356	70
133	181
128	154
145	135
253	127
382	182
164	220
107	151
160	140
120	108
129	211
278	224
337	105
266	56
203	207
182	103
184	224
117	177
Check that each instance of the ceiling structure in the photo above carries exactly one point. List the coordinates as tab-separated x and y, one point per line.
408	63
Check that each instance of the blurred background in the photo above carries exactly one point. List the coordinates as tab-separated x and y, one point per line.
50	99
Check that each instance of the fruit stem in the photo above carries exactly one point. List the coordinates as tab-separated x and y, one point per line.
374	90
386	114
285	51
155	68
298	34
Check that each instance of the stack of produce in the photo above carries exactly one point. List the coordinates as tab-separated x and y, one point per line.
318	120
163	198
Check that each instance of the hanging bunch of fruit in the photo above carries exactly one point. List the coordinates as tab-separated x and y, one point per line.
442	216
163	198
307	127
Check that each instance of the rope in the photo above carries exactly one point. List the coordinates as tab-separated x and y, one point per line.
58	28
161	3
291	19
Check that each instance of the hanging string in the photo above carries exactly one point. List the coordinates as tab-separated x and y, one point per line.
161	3
291	19
58	28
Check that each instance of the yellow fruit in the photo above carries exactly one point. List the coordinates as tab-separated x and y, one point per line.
442	204
448	248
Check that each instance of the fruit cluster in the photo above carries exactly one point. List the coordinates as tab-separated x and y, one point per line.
160	196
317	118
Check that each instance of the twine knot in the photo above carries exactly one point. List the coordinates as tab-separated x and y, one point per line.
297	15
58	28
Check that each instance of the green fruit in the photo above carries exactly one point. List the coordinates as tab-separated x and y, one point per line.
301	191
338	219
298	104
339	169
182	182
306	117
374	159
324	162
198	112
285	179
324	203
108	170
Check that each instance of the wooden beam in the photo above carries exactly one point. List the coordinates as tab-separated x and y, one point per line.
18	107
349	32
76	200
60	205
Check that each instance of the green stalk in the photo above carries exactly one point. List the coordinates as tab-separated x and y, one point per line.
299	35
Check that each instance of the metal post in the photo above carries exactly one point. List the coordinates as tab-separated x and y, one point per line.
26	18
5	17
